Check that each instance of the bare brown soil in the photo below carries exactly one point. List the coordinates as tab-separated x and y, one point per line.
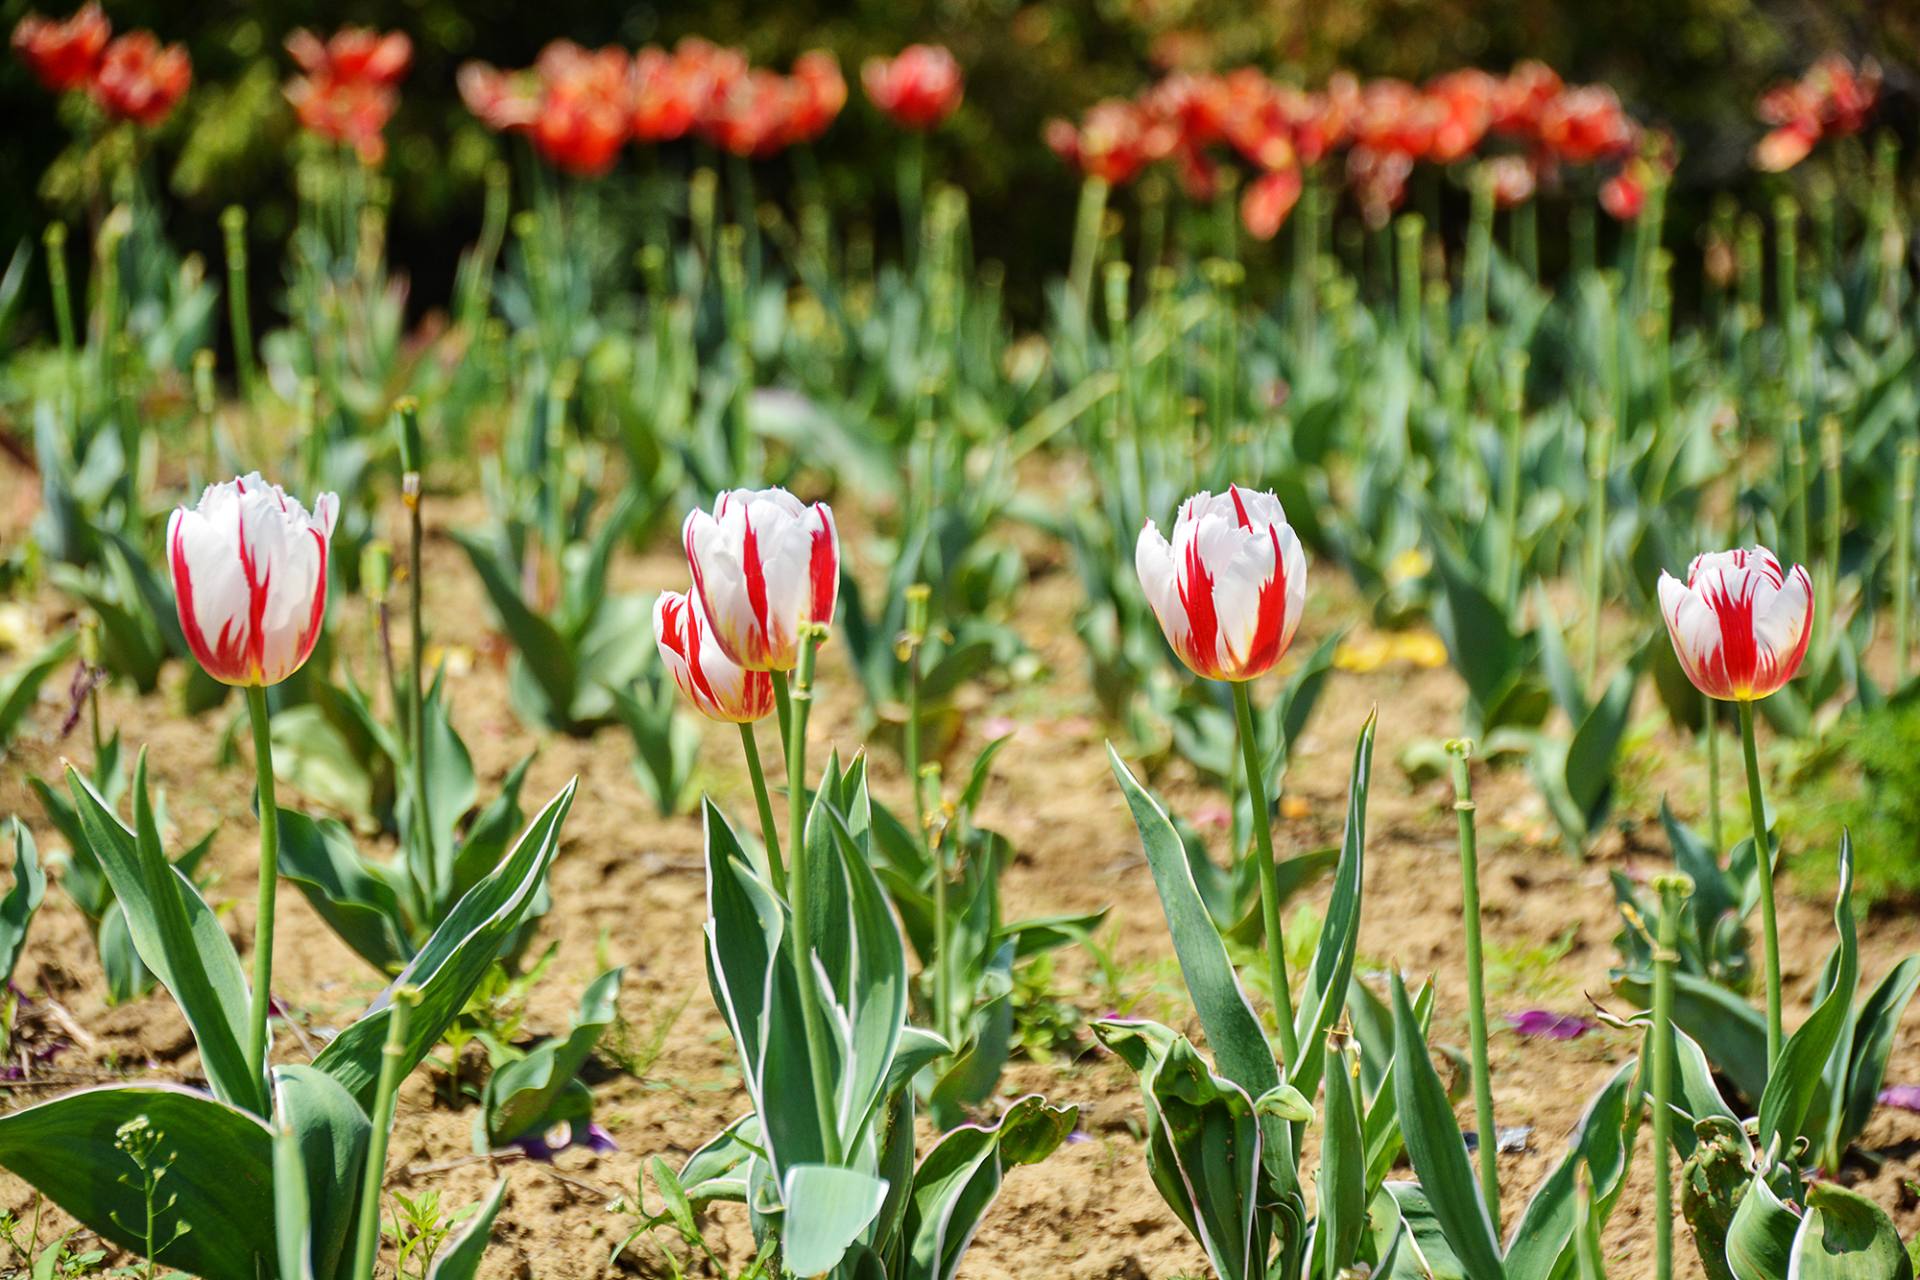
635	879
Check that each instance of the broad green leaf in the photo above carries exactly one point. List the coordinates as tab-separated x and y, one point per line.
1436	1148
957	1182
460	1258
1547	1237
454	960
1325	992
18	691
1796	1077
1423	1250
543	652
22	900
521	1094
1233	1032
1845	1236
1731	1032
177	936
292	1216
1204	1144
826	1210
1342	1179
1760	1237
220	1172
1878	1019
330	1134
323	862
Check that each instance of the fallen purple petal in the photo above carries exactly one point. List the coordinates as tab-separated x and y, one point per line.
1904	1096
1550	1025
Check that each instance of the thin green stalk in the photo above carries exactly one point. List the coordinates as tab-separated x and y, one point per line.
1408	233
910	188
769	833
366	1245
918	598
733	290
1673	890
1715	829
1793	449
1524	227
205	405
1903	557
1599	465
269	881
234	223
1269	876
1087	227
1479	248
55	239
1461	749
417	677
1512	421
800	692
1829	582
1763	862
1786	249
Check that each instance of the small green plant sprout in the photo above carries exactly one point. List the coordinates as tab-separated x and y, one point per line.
678	1217
146	1146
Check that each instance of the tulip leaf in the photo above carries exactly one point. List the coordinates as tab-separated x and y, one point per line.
827	1208
1421	1251
1233	1032
1760	1237
958	1180
1342	1179
330	1133
1601	1148
22	901
321	859
18	691
449	967
520	1095
1878	1019
219	1172
1796	1077
1328	978
1436	1148
177	936
539	649
1845	1236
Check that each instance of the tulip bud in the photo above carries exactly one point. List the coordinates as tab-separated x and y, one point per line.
406	430
718	687
1230	587
767	569
1740	623
249	569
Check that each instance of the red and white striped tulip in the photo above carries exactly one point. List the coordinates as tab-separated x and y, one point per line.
1740	623
1231	586
249	569
717	686
766	566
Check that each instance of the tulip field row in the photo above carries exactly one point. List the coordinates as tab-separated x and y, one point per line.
727	752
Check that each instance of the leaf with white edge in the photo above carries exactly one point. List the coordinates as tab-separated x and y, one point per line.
1845	1236
450	966
331	1134
22	900
826	1210
1342	1178
957	1182
220	1174
1600	1150
177	936
1760	1237
324	863
1436	1148
1325	992
1796	1077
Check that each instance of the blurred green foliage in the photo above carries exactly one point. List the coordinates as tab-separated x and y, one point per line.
1693	65
1865	777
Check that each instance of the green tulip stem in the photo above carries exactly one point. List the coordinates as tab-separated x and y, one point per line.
269	879
1673	890
800	694
1461	750
386	1098
1269	876
1763	862
1903	557
1711	729
769	832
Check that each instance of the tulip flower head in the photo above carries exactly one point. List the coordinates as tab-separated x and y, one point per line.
1231	586
1739	623
63	54
140	79
716	685
249	569
919	88
766	566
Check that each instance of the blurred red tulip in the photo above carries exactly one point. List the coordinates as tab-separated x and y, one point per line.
1832	99
63	54
817	92
585	107
1522	99
1461	103
1115	140
1379	182
667	95
141	80
919	88
350	88
1394	116
1585	124
1786	146
504	101
1624	195
751	118
1268	200
1513	179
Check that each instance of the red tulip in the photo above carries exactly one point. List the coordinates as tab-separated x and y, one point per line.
1786	146
751	118
1740	623
349	91
1586	124
1268	200
765	565
504	101
718	687
585	107
1462	105
354	55
1231	586
141	81
1114	142
919	88
65	54
817	92
1513	179
249	570
666	96
1522	99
